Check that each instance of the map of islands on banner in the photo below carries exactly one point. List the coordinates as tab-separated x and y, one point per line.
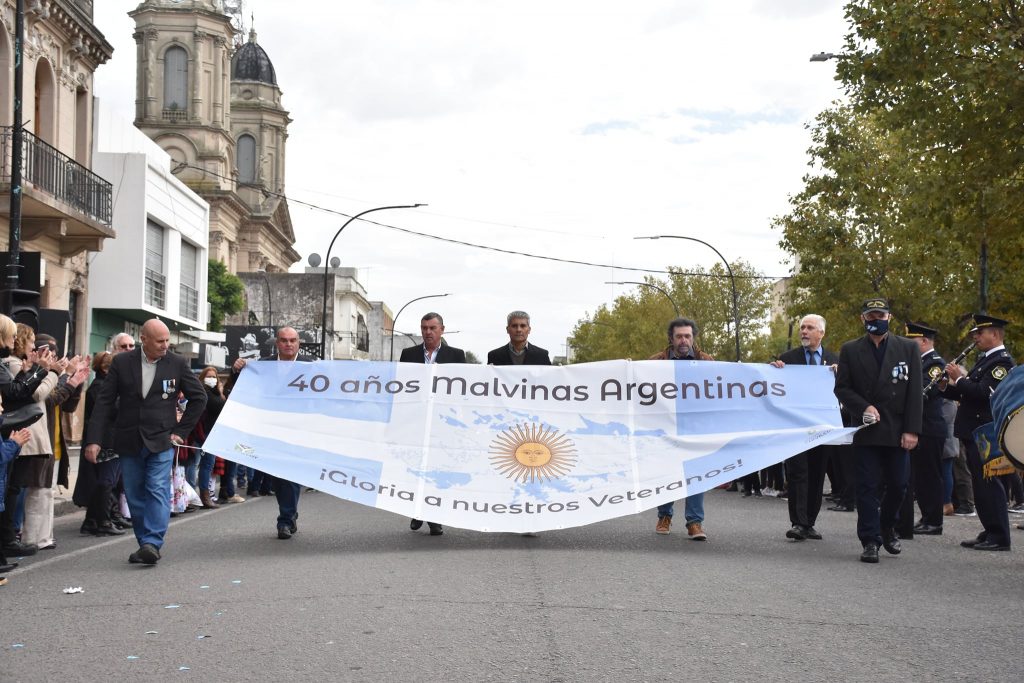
522	448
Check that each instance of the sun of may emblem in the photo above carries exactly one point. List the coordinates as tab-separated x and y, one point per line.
529	453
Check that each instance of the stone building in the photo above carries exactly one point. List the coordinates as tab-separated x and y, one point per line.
66	208
216	109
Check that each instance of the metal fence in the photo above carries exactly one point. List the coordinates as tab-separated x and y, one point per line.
52	171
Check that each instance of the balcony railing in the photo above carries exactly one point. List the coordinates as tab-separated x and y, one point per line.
189	302
56	173
155	289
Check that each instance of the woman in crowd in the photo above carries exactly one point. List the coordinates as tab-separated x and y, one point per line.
33	468
95	484
214	404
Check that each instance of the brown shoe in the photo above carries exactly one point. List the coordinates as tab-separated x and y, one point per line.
947	509
664	525
696	532
207	499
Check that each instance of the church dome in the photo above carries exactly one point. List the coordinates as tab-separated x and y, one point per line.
251	63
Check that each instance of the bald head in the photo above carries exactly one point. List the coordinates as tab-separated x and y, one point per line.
287	343
156	339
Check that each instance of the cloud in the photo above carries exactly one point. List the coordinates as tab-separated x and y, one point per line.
602	128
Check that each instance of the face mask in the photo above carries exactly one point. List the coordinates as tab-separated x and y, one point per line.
876	327
210	381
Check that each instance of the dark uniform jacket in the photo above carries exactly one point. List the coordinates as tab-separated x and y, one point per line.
797	356
975	390
932	421
894	389
445	354
146	421
503	356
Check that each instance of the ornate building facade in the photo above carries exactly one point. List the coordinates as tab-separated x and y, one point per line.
216	109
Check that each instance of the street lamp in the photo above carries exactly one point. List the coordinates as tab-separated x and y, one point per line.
732	281
825	56
327	263
394	320
648	284
270	305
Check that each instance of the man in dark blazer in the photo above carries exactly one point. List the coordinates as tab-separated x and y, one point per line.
286	345
432	350
518	351
142	387
805	472
974	391
879	385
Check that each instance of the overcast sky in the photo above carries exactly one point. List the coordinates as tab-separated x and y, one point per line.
561	128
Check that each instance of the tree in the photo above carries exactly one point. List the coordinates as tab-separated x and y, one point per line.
224	291
634	326
916	192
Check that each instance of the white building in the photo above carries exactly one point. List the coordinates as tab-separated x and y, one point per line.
157	266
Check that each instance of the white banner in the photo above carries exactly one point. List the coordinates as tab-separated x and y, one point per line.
520	448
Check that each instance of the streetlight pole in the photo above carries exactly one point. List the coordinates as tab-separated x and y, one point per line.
270	305
327	264
648	284
732	281
394	320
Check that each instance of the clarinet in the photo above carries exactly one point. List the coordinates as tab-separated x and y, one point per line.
956	361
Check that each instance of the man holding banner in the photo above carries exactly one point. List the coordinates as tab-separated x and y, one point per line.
287	342
429	352
682	338
879	381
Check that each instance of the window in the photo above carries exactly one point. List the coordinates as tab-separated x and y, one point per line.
189	306
362	334
155	279
246	153
176	81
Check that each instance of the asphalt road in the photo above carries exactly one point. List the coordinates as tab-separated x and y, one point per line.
357	596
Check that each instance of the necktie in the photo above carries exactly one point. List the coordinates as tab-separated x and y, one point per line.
813	357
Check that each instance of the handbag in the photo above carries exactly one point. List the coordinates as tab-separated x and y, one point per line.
22	417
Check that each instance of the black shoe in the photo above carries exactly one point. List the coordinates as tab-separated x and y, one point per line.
891	542
841	508
415	524
870	554
284	532
108	529
435	529
19	549
928	530
4	568
88	528
146	554
985	545
965	512
812	533
120	522
796	533
972	542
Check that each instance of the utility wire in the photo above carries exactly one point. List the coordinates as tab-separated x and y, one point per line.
449	240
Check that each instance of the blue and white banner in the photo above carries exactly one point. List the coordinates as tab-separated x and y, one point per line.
522	448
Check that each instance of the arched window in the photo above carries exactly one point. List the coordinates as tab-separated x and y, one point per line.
176	79
6	78
246	153
46	102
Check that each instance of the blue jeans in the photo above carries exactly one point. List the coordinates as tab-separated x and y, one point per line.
205	470
227	480
287	502
694	510
147	486
886	468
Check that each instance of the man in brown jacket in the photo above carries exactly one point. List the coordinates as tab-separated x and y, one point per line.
682	337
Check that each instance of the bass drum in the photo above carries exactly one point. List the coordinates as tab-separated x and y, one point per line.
1008	416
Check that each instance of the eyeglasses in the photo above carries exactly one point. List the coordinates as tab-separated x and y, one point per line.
126	346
